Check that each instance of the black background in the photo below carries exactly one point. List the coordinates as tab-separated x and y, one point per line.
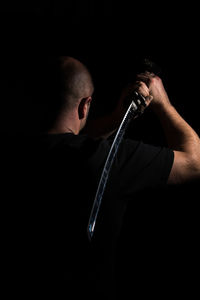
109	37
158	252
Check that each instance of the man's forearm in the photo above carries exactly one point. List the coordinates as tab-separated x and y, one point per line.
185	143
179	134
103	126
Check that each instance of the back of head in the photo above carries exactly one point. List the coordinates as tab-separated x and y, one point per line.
56	83
77	81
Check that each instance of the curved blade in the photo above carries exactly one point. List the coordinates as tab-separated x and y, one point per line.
135	108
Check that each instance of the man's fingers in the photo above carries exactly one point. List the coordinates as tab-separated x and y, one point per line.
148	99
144	91
142	88
145	77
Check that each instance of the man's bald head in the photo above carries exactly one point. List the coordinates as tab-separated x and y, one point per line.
76	81
55	85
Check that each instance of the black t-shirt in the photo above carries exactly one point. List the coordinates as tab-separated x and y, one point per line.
49	183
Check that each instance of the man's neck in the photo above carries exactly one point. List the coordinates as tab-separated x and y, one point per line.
66	123
59	130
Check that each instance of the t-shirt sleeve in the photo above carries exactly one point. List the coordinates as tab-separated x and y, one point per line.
142	166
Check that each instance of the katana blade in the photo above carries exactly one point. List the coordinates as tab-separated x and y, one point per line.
136	107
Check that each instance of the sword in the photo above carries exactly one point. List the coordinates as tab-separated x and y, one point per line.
136	107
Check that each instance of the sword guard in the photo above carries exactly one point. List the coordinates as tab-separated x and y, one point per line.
138	101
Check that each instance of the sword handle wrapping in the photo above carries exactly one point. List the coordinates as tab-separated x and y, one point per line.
138	100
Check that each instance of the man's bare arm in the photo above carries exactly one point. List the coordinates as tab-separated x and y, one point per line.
182	139
103	126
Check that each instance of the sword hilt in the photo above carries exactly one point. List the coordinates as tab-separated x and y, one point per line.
138	101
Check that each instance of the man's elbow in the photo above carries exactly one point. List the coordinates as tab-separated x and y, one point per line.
195	165
185	168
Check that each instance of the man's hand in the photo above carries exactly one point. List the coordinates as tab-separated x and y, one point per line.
139	86
156	89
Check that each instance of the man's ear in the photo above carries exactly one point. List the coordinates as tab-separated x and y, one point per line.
83	107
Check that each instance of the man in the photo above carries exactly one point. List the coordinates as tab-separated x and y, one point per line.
181	137
50	253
